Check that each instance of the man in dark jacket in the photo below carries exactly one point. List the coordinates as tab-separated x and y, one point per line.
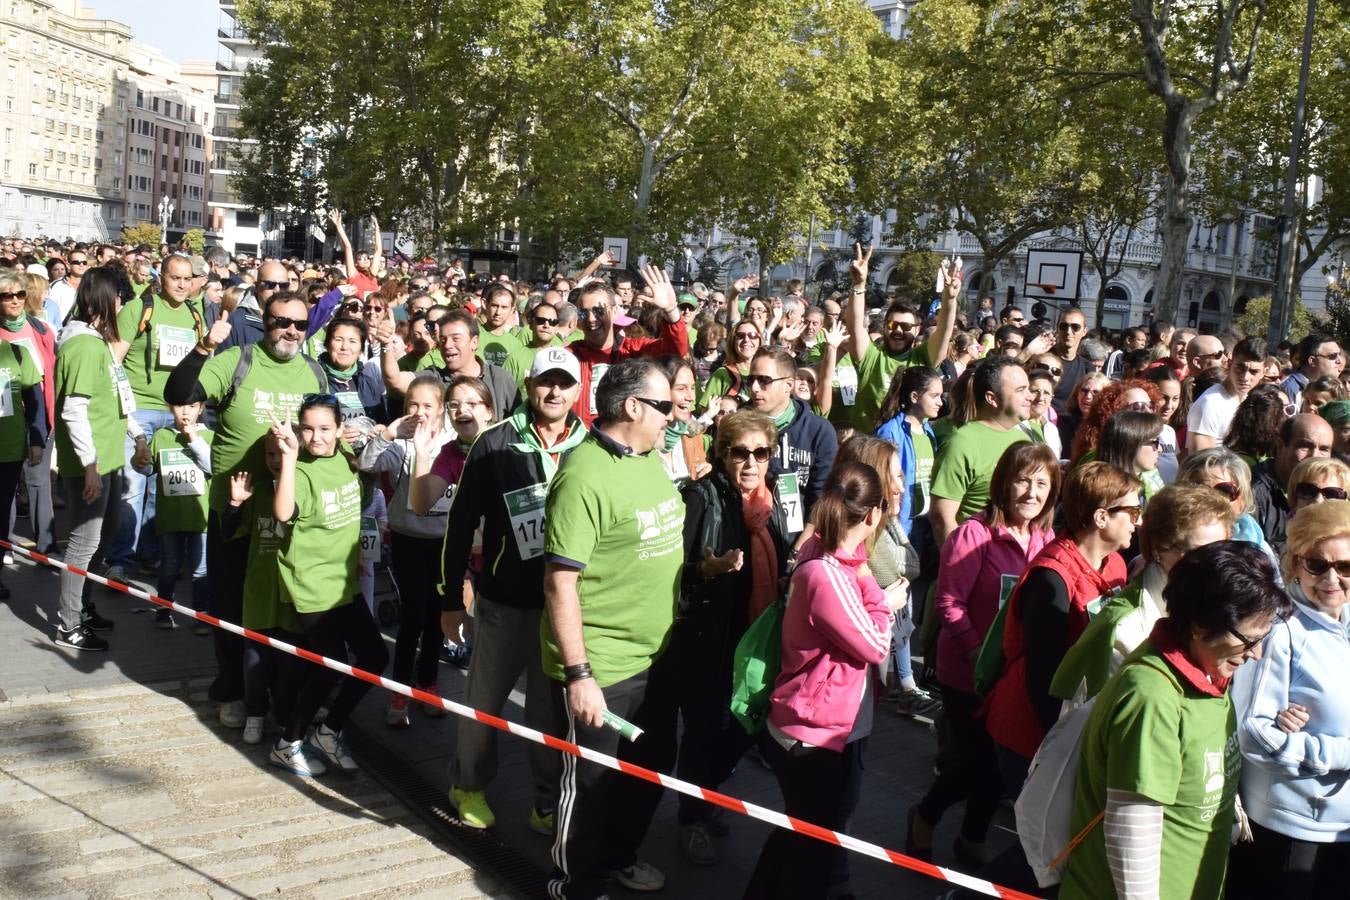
806	442
1301	437
504	483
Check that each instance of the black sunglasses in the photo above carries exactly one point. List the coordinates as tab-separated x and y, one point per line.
764	381
585	314
1074	327
1318	567
1134	511
281	323
273	285
743	454
662	406
540	320
79	262
11	295
1305	491
1248	644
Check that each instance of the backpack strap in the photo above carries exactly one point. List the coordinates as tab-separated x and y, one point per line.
38	326
318	371
147	312
240	373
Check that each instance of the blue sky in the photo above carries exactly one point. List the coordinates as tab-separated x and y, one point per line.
181	29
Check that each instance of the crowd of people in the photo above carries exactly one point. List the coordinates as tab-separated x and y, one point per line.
615	487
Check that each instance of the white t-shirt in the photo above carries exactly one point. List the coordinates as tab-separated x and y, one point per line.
63	295
1212	413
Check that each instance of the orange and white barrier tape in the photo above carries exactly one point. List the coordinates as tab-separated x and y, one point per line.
725	801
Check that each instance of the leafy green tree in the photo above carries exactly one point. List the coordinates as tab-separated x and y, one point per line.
196	239
913	274
1255	319
143	233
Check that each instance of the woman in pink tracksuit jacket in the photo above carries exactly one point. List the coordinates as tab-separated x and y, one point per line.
837	626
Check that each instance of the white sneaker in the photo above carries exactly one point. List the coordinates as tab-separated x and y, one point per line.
295	757
331	744
253	729
232	714
640	876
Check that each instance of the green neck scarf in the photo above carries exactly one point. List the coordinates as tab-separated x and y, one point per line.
529	441
784	419
674	431
15	324
340	374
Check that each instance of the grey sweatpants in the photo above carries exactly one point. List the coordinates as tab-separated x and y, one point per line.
92	526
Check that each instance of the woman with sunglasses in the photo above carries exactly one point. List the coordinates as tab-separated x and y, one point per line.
981	562
1062	588
1255	432
736	551
1294	725
1226	472
1131	441
836	628
1158	771
1316	480
732	378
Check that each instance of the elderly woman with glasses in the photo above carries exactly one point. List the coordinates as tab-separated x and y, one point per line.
1294	725
1226	472
1317	480
1158	772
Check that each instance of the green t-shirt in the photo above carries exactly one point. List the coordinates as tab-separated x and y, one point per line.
18	370
622	520
85	368
416	362
1087	664
518	363
495	348
180	489
875	371
264	606
921	490
270	388
966	465
170	336
719	385
1151	733
319	561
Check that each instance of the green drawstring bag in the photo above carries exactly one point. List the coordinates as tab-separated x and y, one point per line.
755	666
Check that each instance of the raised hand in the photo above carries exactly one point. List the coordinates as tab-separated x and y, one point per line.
789	333
219	331
741	285
241	488
424	437
663	292
857	270
287	441
335	216
836	334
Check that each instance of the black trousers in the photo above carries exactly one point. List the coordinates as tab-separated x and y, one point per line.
1278	866
10	473
413	565
226	562
968	770
333	634
598	827
819	786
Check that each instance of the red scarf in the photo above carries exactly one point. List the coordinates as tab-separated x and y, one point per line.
756	510
1176	657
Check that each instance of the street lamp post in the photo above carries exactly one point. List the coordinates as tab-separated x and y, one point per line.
165	214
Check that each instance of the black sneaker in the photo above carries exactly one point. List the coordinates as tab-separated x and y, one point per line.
80	638
95	621
164	619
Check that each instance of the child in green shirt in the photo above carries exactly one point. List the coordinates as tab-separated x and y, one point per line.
181	457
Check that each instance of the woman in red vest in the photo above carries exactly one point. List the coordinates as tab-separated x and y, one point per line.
1060	591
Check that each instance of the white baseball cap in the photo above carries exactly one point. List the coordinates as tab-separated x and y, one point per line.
559	359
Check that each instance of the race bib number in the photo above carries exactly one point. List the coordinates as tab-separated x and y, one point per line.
790	495
179	475
125	400
442	504
597	373
31	349
370	540
1006	583
846	380
350	404
526	509
174	344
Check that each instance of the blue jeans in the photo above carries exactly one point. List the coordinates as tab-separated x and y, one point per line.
177	548
137	522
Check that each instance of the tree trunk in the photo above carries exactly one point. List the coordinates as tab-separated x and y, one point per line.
637	235
1101	291
1176	224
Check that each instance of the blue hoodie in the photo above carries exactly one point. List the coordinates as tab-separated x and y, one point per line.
807	447
1295	784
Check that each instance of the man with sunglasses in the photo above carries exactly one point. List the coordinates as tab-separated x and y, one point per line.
1315	356
1211	415
63	292
806	443
899	347
1302	437
246	320
613	549
600	348
1069	334
249	396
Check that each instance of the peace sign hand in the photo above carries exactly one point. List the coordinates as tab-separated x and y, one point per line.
857	270
285	435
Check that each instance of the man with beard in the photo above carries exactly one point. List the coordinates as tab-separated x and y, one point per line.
899	347
251	387
457	338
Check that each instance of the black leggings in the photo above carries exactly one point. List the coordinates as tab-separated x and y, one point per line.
348	628
415	574
1275	865
969	769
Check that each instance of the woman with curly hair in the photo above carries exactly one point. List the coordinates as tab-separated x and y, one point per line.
1135	393
1255	432
1076	408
